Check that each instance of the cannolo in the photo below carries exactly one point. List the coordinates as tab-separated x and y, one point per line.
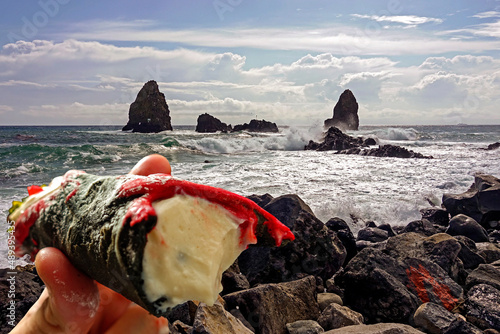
157	240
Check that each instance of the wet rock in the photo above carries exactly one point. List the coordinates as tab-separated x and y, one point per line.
467	226
483	306
207	123
149	112
261	200
372	234
345	113
334	139
433	318
383	328
388	228
257	126
423	227
436	216
337	316
343	232
269	307
393	151
315	250
493	146
481	202
468	253
216	320
369	142
304	327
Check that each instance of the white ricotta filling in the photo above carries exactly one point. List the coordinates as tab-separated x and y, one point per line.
193	243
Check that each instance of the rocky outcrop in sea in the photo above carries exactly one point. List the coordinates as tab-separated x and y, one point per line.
334	139
208	124
345	113
257	126
149	112
438	274
481	201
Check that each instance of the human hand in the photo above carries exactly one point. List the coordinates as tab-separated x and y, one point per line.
74	303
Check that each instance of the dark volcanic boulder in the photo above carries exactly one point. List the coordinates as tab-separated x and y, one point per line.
372	234
393	151
484	274
481	201
208	123
335	139
422	226
149	112
483	307
372	283
386	328
315	250
345	113
257	126
269	307
493	146
467	226
24	286
436	216
341	229
433	318
387	285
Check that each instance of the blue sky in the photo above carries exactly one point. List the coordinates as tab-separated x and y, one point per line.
407	62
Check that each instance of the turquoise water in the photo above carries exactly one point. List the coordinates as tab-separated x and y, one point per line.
382	189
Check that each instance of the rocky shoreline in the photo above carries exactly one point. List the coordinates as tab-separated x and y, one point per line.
335	140
439	274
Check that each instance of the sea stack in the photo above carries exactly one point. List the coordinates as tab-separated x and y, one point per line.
345	113
208	123
149	112
257	126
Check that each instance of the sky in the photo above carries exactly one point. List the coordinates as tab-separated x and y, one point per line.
69	62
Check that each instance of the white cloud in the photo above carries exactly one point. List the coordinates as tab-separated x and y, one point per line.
412	20
342	39
488	14
304	91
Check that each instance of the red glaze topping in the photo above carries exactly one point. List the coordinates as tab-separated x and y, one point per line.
162	186
23	225
31	214
34	190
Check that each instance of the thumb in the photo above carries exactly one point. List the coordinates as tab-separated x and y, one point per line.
70	301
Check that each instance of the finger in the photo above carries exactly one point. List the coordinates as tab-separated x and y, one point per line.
113	306
72	298
152	164
138	320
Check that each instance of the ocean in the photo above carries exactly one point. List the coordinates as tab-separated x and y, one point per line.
385	190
